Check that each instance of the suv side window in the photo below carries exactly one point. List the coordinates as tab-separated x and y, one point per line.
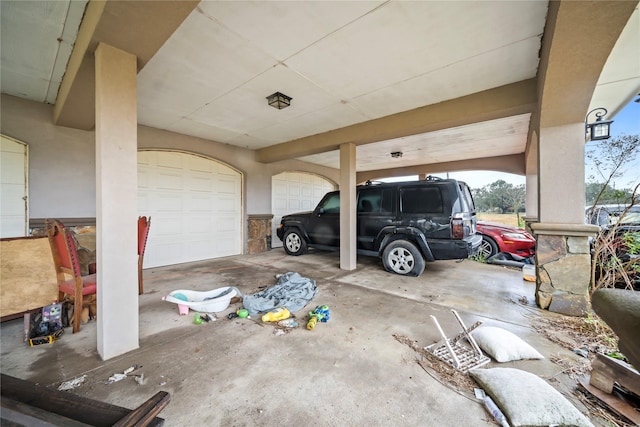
331	203
375	201
421	200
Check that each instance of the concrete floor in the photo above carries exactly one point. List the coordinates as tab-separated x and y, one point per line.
348	371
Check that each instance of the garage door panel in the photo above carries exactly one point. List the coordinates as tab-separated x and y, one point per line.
202	225
227	185
201	183
200	164
294	189
224	224
143	177
169	160
170	181
294	205
201	204
200	248
279	188
195	205
226	204
168	202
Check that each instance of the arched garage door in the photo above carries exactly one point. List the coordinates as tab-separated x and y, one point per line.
295	192
194	204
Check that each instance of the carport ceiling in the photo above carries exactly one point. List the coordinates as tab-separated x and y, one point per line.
343	63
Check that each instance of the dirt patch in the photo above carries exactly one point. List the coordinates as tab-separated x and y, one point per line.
588	333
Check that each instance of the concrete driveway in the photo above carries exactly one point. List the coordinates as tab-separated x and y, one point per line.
351	370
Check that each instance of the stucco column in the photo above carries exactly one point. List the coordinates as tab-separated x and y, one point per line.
348	258
562	248
116	201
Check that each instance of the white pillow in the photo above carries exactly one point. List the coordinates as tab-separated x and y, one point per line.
528	400
502	345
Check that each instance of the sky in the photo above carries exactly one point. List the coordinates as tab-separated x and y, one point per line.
627	121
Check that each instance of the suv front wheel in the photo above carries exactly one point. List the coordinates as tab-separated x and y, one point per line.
294	243
402	257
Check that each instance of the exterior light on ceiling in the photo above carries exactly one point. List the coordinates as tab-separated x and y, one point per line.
600	129
279	100
396	154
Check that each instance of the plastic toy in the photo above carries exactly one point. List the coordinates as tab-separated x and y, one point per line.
321	313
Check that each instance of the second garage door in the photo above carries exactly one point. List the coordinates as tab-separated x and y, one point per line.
295	192
195	207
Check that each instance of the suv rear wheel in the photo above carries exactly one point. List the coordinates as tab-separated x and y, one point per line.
402	257
294	243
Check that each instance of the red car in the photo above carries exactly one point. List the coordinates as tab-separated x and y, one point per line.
503	238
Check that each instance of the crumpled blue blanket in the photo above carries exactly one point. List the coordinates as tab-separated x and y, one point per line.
291	291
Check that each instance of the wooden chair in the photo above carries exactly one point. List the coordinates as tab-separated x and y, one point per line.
71	283
144	224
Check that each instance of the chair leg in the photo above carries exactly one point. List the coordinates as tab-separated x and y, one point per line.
140	284
77	312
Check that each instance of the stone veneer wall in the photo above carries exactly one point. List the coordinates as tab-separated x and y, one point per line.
563	268
259	233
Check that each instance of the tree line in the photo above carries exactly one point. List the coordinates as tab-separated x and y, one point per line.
610	160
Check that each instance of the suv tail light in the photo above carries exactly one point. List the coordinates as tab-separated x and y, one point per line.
457	228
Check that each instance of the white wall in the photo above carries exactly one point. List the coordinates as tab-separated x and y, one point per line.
62	161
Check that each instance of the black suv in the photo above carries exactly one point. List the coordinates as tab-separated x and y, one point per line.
405	223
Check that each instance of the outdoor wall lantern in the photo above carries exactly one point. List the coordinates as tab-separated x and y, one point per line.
279	100
600	129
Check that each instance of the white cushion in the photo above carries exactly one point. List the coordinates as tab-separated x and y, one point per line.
502	345
527	400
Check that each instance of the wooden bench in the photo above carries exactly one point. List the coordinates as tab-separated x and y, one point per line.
25	403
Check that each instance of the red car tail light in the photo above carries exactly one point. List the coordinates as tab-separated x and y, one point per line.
457	228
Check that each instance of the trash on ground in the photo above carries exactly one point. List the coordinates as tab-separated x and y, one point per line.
320	314
130	369
287	323
116	377
139	379
495	411
72	384
291	291
279	313
119	377
242	313
584	352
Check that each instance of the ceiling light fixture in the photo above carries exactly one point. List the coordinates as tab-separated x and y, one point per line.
600	129
279	100
396	154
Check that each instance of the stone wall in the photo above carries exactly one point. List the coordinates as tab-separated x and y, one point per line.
563	268
259	228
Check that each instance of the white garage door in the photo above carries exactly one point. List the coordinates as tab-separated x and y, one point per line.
13	188
194	204
295	192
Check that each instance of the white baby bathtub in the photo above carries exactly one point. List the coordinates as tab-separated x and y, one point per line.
212	301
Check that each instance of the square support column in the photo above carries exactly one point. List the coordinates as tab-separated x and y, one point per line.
562	237
116	199
348	256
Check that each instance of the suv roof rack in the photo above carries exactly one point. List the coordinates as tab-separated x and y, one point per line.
432	178
369	182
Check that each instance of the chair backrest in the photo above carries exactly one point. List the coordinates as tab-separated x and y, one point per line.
63	248
144	224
